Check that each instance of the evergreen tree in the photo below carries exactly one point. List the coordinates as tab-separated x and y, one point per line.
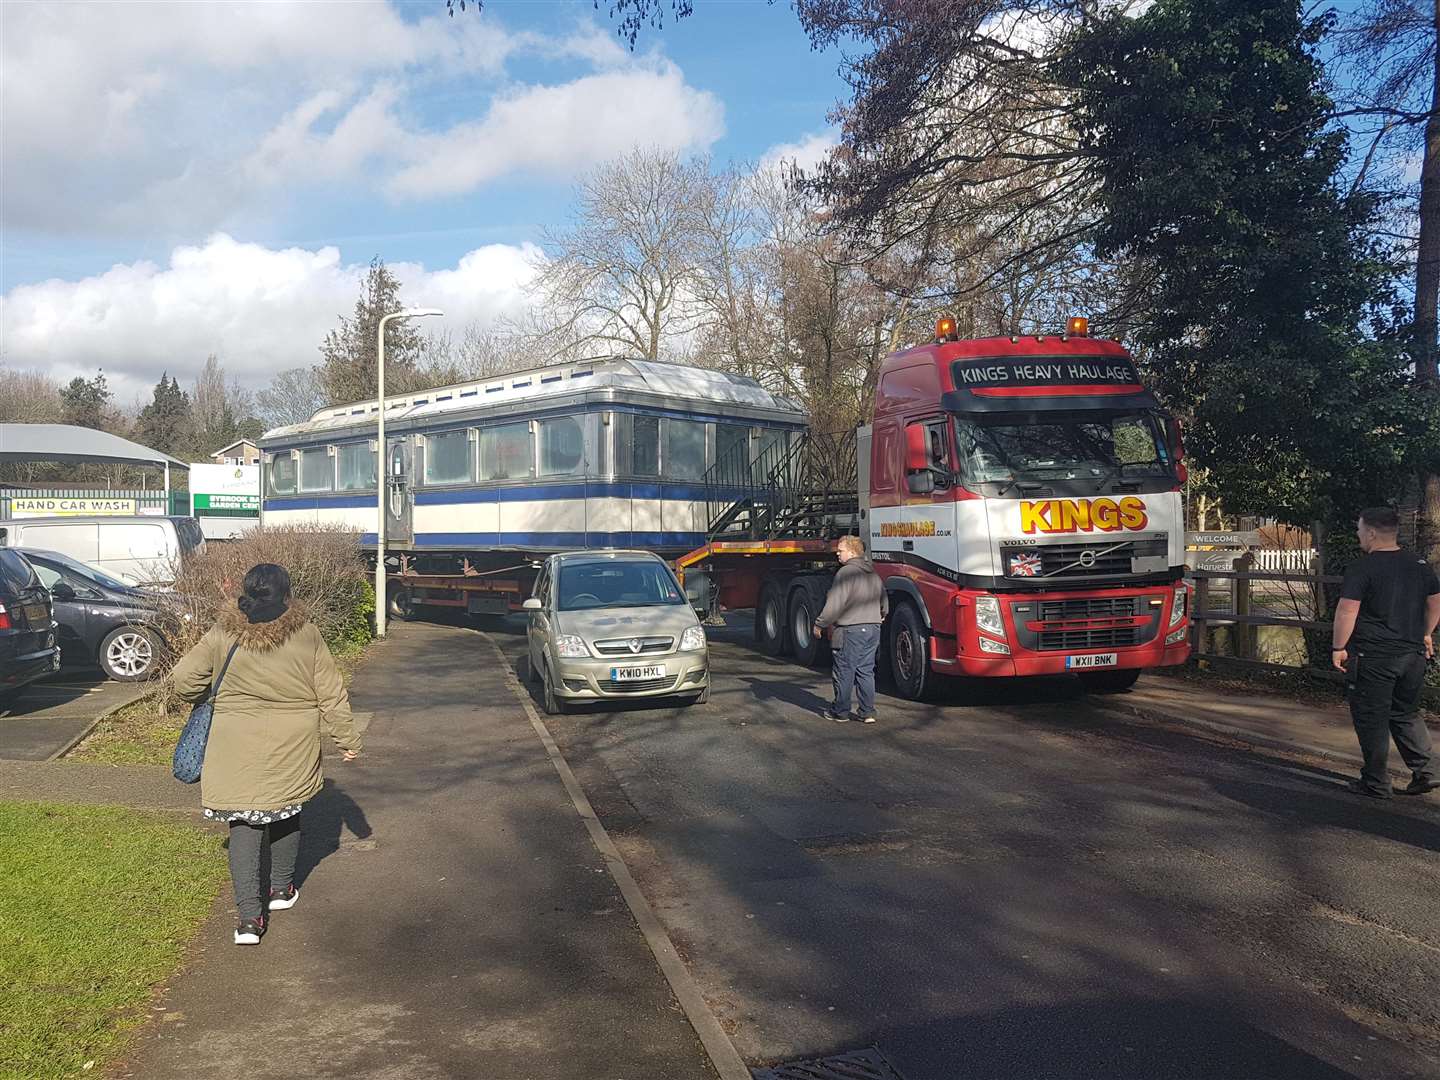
164	421
347	368
86	402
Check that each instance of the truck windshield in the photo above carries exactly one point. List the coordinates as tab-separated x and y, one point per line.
1062	446
617	583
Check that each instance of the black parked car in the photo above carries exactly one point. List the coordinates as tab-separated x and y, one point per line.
28	649
102	619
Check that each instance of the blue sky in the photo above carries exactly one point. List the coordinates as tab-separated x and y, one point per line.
188	178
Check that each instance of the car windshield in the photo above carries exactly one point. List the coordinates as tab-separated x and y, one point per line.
1063	446
617	583
80	570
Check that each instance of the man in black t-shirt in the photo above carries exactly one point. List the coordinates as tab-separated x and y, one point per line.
1383	635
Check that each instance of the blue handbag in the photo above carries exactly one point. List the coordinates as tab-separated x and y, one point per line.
190	749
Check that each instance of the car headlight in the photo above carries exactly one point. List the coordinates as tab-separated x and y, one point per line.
1178	605
987	615
569	646
692	639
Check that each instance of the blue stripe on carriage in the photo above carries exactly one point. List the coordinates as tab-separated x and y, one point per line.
321	502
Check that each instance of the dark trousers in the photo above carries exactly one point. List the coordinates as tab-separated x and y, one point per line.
247	842
854	665
1385	704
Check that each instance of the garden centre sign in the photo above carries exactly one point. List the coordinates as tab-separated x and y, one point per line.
224	487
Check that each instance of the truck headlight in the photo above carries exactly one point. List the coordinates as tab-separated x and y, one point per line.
569	647
693	639
1177	636
986	645
1178	604
987	616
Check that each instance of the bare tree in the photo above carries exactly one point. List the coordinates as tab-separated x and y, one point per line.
1392	46
623	273
292	397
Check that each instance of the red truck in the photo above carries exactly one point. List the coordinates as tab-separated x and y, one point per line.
1020	497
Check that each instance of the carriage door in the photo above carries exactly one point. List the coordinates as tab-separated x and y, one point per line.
399	499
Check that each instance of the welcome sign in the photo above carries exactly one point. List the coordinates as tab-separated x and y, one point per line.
225	487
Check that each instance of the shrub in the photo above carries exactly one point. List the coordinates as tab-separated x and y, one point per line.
327	571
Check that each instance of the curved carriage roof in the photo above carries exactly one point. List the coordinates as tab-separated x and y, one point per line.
617	379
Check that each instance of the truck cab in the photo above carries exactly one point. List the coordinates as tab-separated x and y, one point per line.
1024	509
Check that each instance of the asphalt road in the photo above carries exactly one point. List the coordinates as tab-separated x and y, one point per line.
1013	883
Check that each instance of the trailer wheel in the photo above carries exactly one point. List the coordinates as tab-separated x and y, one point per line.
909	653
402	604
1108	682
806	601
770	621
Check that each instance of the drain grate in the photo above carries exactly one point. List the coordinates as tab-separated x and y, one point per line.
857	1065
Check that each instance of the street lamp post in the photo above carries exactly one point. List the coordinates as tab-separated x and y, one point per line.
382	477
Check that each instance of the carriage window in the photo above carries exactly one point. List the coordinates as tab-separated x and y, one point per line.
684	450
645	460
447	458
505	452
357	467
732	450
317	470
282	474
562	446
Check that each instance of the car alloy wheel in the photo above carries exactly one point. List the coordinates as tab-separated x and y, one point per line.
128	655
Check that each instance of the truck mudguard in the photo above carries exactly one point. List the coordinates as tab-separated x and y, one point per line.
903	586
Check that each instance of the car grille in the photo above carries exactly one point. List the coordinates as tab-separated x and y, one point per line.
621	646
1065	560
635	686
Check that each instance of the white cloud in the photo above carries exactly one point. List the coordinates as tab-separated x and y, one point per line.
559	130
805	154
259	309
171	120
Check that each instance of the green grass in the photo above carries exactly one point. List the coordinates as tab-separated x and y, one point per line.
97	906
140	734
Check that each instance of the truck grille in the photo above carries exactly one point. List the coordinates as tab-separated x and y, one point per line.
1071	640
1109	557
1089	607
621	646
635	686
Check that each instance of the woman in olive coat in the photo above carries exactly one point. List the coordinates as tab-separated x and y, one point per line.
262	760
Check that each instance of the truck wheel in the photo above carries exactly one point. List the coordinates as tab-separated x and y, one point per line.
805	603
402	605
770	621
909	653
1109	682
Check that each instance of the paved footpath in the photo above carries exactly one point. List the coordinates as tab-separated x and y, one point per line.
455	918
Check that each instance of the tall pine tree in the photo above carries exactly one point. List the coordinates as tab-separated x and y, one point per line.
166	418
347	367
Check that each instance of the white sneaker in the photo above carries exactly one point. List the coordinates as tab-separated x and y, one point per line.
281	901
249	931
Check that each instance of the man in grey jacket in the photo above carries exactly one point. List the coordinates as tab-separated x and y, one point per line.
855	607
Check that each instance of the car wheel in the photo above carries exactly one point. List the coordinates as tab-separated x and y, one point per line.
770	621
909	653
554	706
130	654
806	602
1109	682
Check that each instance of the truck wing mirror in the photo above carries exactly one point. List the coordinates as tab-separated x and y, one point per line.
917	448
532	603
921	483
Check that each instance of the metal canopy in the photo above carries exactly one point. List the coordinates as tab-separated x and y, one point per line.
65	442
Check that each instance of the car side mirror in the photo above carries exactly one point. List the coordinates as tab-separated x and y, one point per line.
920	483
62	591
532	603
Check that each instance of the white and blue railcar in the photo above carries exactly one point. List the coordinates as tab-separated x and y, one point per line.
609	453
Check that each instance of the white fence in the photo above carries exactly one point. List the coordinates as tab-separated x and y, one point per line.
1284	561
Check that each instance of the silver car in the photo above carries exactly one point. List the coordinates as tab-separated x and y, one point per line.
614	625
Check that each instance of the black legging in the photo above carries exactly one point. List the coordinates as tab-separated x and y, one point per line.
246	843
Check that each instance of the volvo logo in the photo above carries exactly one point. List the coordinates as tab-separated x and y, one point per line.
634	645
1087	558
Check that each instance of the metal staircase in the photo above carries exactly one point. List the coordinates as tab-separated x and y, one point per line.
805	489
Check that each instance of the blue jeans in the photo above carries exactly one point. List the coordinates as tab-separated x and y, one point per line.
854	664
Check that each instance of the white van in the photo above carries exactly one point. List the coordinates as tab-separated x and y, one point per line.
138	550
